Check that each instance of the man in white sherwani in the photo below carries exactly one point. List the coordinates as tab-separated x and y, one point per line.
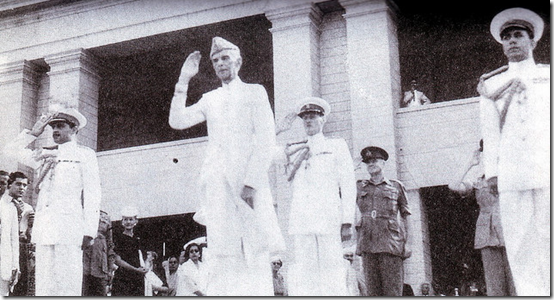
237	207
68	205
323	205
515	120
9	232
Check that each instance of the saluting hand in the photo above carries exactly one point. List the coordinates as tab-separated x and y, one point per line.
40	124
190	67
285	123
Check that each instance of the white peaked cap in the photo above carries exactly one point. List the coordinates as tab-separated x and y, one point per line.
517	17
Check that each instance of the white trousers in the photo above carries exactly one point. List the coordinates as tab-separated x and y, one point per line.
58	270
525	219
4	288
318	268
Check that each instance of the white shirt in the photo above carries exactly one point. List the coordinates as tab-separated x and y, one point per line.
9	237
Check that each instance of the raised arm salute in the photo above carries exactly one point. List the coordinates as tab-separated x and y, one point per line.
237	206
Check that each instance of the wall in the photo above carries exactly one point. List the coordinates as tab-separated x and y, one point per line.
160	179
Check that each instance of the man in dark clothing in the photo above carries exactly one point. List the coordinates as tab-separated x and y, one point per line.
383	228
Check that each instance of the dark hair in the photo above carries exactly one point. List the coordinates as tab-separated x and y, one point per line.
187	251
154	254
4	173
15	175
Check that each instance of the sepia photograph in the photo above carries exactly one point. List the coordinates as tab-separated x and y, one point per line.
324	148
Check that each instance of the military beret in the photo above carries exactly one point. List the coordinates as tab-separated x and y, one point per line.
313	104
69	115
373	152
517	17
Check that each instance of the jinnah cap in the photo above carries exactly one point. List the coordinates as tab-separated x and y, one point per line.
220	44
373	152
129	211
70	115
517	17
313	104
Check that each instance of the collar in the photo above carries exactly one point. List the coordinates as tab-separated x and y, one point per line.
521	65
233	84
67	145
384	180
316	138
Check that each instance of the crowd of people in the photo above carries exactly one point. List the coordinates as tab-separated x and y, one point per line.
65	247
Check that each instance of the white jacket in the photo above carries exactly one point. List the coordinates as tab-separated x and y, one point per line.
518	149
324	189
68	205
241	132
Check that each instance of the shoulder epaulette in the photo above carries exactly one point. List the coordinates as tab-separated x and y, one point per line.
297	143
397	181
493	73
362	182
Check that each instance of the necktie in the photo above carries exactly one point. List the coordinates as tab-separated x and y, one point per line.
19	206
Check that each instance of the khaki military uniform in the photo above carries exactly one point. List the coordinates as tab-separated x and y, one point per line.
382	235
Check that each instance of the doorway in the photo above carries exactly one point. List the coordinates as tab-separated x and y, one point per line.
451	221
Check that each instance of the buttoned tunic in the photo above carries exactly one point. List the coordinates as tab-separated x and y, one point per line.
515	126
9	239
241	133
324	189
68	205
68	208
515	138
381	206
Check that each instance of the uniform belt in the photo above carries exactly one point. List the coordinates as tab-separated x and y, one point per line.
374	214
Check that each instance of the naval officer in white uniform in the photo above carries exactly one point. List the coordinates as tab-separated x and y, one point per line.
515	121
323	205
68	205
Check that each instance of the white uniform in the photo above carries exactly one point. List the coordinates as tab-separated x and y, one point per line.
515	131
324	197
9	242
67	209
241	133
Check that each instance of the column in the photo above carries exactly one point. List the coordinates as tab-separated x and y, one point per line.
20	83
74	81
374	72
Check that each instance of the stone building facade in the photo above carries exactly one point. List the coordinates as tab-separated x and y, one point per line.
118	60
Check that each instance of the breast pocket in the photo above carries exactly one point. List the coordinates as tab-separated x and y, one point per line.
391	195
